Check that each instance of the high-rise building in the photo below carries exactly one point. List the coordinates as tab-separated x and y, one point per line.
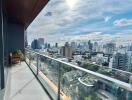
73	44
66	51
48	46
26	41
35	44
56	45
90	45
95	47
130	48
120	61
129	53
109	48
45	45
41	41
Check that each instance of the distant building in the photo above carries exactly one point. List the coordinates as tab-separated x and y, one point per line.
95	47
66	51
129	53
56	45
110	62
99	59
90	45
35	44
78	58
41	42
109	48
26	41
45	45
48	46
130	48
120	61
74	45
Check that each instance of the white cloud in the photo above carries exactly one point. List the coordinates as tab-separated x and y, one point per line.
123	22
107	18
62	16
117	38
63	20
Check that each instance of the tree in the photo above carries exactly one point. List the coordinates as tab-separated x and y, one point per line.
88	98
91	67
105	64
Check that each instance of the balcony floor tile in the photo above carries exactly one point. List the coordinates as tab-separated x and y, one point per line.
24	85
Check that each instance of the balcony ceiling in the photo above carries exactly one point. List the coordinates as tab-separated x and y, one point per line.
24	11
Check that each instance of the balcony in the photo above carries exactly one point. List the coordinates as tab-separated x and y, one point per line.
23	85
41	77
70	82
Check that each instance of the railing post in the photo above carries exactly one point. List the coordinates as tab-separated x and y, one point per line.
59	76
29	59
37	63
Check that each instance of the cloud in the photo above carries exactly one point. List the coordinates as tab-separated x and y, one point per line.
107	18
84	20
123	22
118	38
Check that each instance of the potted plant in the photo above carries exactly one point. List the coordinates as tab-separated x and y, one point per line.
16	57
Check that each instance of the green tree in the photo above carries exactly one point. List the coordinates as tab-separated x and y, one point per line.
88	98
91	67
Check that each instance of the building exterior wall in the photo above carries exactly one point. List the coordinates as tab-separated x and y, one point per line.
15	36
66	51
120	61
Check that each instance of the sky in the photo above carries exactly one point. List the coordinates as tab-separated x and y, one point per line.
83	20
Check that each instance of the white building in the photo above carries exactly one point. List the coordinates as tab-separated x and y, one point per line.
78	57
99	59
109	48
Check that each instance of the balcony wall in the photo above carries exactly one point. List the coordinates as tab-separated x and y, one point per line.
15	35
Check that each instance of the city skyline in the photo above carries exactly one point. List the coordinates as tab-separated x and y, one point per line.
74	20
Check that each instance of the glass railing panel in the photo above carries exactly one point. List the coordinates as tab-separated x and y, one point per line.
48	71
27	56
80	85
111	72
32	60
43	69
116	74
70	82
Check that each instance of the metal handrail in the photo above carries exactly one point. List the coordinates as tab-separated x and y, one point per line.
121	84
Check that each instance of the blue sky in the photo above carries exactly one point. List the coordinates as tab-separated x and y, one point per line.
81	20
